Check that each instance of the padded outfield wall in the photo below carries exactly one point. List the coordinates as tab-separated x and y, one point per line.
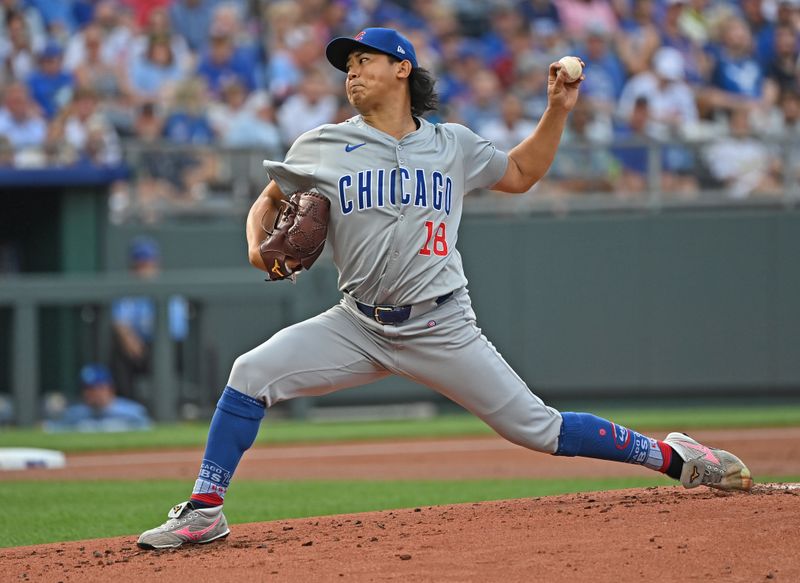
598	304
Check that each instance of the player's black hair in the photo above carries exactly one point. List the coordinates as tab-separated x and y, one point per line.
423	91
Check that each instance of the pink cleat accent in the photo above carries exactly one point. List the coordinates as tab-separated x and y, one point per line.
706	466
186	524
197	534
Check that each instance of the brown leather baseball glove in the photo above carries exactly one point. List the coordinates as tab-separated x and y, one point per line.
299	233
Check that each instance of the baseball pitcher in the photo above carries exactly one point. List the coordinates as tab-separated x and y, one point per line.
385	190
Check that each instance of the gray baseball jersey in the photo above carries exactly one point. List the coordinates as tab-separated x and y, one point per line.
395	211
395	205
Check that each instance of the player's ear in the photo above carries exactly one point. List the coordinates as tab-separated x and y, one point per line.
403	69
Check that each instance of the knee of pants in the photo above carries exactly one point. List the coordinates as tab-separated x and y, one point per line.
249	375
529	437
528	422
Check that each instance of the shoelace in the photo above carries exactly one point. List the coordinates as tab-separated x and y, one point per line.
173	522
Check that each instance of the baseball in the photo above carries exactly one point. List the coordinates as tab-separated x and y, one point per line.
572	67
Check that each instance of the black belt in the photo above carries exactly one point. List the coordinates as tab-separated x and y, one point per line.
385	314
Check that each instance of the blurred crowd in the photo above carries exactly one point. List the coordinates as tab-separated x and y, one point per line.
83	80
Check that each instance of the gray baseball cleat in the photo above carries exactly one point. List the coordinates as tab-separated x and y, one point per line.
186	525
707	466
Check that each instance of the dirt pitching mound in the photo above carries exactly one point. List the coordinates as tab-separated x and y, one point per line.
652	534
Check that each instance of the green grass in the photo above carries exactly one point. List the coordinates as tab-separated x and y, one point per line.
282	431
43	511
81	510
37	512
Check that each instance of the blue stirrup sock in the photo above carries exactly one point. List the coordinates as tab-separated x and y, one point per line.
233	430
585	435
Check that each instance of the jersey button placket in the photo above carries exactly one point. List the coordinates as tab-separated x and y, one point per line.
394	254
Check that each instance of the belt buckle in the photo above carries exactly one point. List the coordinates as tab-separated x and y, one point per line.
378	310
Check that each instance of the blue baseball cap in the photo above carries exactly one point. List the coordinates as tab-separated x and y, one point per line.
143	249
95	374
384	40
50	50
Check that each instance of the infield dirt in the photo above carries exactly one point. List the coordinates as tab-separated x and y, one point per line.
652	534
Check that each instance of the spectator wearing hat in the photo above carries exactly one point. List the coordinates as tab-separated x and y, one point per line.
133	320
100	408
50	85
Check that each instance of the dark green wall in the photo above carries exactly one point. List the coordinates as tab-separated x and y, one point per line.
642	303
53	229
681	300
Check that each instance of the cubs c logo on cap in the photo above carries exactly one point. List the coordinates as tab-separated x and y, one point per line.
360	35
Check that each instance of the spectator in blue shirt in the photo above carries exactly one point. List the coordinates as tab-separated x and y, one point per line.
763	30
101	409
631	148
50	85
604	85
187	122
156	70
133	320
224	61
192	19
538	10
737	80
20	123
693	49
57	14
737	70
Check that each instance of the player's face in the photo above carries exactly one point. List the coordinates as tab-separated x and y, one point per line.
370	78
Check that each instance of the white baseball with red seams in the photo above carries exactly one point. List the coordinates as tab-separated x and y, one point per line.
572	67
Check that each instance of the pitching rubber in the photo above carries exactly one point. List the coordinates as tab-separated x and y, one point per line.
775	486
